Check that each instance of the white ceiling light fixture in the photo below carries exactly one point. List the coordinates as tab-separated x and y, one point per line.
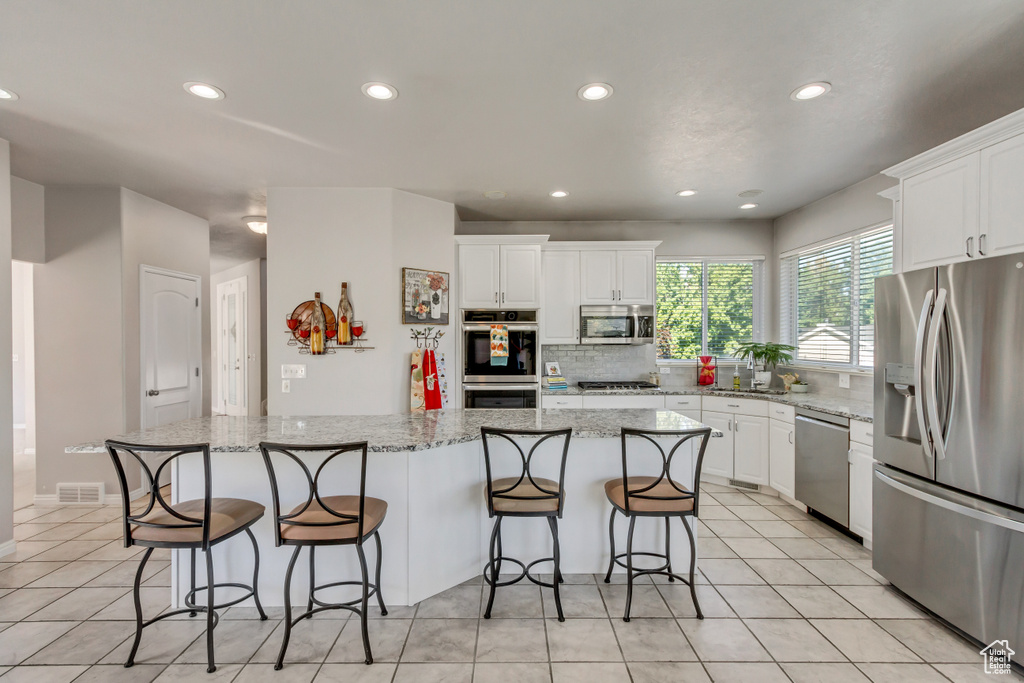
8	95
748	205
258	224
380	91
686	193
204	90
593	92
558	194
810	91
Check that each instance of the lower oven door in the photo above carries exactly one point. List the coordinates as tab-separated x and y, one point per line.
499	396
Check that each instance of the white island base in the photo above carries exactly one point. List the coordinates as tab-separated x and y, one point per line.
436	532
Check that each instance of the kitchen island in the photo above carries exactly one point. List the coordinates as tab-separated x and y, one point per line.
429	468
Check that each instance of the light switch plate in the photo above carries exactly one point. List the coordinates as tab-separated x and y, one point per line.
297	371
286	386
666	371
844	380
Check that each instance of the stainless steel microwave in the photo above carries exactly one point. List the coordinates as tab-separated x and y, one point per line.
617	324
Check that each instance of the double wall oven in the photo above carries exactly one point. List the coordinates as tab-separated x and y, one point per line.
515	384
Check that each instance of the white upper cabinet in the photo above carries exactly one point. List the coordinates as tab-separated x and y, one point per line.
940	214
497	275
958	201
1002	179
520	276
599	276
620	276
479	283
560	302
635	271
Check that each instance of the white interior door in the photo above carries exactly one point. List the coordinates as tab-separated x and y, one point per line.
171	346
232	346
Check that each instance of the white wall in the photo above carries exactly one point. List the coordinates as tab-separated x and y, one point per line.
155	234
6	409
23	348
255	382
79	339
320	237
28	236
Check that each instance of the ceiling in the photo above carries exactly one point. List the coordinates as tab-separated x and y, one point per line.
488	99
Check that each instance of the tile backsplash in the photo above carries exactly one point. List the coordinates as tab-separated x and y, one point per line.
610	362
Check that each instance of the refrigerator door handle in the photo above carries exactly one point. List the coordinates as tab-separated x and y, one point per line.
930	392
986	516
922	326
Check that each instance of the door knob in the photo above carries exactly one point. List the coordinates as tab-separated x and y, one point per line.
153	392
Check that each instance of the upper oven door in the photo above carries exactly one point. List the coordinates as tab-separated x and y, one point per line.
523	350
607	325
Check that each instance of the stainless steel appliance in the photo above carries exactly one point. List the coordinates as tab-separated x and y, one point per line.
948	487
614	385
822	463
617	324
516	384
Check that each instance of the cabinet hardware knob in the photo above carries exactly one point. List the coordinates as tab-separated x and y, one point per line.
153	392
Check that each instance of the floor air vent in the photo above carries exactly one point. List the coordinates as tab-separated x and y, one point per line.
744	485
80	494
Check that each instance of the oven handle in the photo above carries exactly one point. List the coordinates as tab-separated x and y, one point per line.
514	327
499	387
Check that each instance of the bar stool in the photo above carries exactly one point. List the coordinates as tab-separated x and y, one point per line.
523	496
327	520
192	524
657	496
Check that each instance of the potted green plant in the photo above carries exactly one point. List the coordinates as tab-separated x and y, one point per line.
767	355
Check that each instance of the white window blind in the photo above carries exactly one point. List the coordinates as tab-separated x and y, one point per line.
827	298
706	306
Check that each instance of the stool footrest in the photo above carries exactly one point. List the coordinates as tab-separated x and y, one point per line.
190	597
524	574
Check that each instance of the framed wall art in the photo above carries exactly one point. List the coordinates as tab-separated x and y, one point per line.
424	296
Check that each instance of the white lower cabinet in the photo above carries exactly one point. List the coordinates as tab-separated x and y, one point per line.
718	459
862	463
782	457
623	402
561	402
750	450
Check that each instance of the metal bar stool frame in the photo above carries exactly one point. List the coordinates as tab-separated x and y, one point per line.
187	522
645	492
314	604
492	571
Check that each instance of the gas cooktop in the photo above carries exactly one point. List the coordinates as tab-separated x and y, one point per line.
611	386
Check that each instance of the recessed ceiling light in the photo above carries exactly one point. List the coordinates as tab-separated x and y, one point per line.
495	194
558	194
686	193
380	91
257	224
593	92
204	90
810	91
748	205
8	95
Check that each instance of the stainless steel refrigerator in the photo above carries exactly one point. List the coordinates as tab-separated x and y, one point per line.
948	487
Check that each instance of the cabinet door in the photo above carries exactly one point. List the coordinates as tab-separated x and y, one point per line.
940	214
781	457
598	278
520	276
751	449
635	275
861	476
478	275
1002	177
560	304
624	402
718	456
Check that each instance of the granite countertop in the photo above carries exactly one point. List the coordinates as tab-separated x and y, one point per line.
853	409
393	433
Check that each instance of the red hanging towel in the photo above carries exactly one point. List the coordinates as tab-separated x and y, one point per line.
431	384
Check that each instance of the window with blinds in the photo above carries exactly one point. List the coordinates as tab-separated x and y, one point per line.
705	307
828	298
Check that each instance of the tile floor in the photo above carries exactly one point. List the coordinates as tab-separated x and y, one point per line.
786	599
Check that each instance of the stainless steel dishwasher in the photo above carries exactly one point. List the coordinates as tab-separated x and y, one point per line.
822	464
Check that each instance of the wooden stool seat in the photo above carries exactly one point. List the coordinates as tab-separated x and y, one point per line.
524	496
328	529
670	501
227	516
